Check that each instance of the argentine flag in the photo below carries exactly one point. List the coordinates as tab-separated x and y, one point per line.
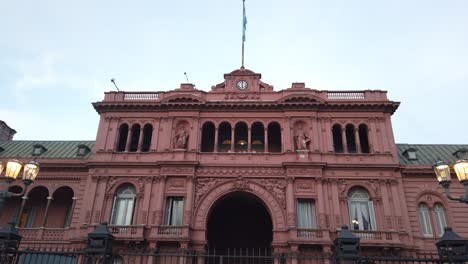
244	22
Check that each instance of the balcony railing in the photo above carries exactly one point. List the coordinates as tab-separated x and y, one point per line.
370	235
309	233
169	232
132	232
42	233
346	95
141	96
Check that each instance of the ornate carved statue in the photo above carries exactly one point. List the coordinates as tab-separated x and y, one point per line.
180	138
301	138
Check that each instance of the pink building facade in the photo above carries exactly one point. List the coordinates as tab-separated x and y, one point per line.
239	166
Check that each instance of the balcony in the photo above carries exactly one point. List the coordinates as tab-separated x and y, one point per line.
307	234
376	237
130	232
44	234
169	233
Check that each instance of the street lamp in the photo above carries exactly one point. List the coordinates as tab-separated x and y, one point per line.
12	170
442	171
9	236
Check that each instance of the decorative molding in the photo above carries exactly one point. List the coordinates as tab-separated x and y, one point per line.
303	172
177	170
203	186
174	184
277	188
305	186
240	184
231	171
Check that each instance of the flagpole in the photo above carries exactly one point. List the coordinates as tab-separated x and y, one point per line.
244	24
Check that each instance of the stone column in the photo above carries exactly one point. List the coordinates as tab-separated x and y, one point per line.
343	140
375	142
315	135
339	218
249	139
232	139
216	140
155	135
290	202
358	141
327	129
193	135
385	204
99	198
46	211
140	139
286	135
103	129
112	133
189	201
321	223
129	139
146	200
265	143
159	207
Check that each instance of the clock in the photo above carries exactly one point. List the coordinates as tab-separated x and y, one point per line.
242	85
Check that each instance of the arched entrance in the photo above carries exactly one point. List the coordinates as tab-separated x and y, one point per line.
239	220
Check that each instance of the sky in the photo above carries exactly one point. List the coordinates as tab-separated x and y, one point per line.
58	56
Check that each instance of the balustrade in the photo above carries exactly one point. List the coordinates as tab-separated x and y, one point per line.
41	233
141	96
346	95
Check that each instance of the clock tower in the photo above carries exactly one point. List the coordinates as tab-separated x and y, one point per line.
242	81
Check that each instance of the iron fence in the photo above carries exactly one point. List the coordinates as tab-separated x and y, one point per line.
234	256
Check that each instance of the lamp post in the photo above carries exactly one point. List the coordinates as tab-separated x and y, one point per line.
13	168
9	236
442	171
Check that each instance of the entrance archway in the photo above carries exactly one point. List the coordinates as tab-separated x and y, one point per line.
239	220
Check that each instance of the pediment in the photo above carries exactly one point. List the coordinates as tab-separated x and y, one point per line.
299	98
183	99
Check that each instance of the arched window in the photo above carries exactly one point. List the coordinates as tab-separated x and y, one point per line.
350	139
60	210
34	209
224	137
208	137
361	210
123	134
425	220
337	139
147	135
439	214
135	138
258	137
364	139
274	137
123	207
240	137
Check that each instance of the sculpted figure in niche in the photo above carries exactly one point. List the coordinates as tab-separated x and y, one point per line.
180	138
301	138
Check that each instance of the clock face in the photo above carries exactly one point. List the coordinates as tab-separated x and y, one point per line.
242	85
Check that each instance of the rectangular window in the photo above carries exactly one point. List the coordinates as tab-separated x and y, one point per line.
174	211
305	213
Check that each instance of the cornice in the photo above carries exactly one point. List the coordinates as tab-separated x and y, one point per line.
246	105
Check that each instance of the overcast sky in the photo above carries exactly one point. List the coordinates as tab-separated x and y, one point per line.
57	56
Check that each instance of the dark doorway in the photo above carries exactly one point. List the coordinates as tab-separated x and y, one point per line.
238	221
